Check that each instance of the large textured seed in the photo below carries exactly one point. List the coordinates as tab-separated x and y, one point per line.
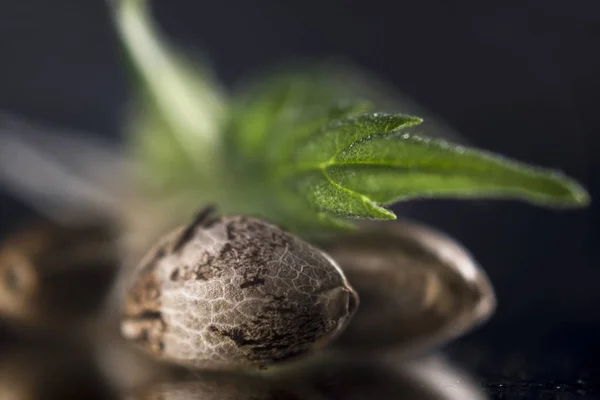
235	292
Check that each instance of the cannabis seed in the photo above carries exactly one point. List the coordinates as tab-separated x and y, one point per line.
418	287
52	274
235	292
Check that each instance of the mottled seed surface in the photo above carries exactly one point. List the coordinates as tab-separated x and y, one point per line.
235	292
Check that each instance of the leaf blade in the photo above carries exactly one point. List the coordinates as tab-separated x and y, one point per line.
277	111
327	196
389	169
341	134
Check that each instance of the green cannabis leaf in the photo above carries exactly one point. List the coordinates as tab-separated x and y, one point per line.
278	110
386	166
304	148
317	155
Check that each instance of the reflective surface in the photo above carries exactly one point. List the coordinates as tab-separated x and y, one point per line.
373	360
428	379
54	369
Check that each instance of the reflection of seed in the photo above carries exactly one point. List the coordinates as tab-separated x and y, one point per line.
417	286
349	377
123	366
36	372
216	387
235	292
53	274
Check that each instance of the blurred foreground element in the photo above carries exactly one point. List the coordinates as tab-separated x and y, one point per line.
418	288
57	276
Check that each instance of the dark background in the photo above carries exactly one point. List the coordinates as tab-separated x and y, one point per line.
517	77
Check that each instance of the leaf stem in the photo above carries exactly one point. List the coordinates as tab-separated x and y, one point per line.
192	109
